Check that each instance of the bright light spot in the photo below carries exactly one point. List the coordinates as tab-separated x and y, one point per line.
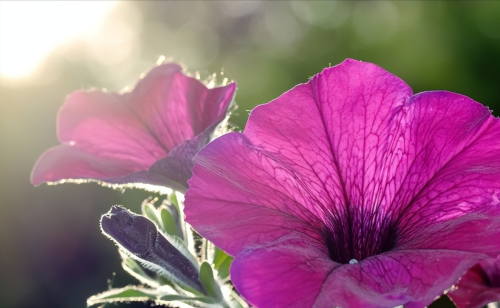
31	30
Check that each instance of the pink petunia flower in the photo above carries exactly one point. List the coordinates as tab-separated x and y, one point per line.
348	191
147	136
479	286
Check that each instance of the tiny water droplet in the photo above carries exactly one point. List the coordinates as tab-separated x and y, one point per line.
353	261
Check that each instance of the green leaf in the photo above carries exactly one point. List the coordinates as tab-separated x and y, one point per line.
169	222
150	212
126	294
223	270
164	281
140	294
175	202
219	257
168	298
222	262
208	281
136	271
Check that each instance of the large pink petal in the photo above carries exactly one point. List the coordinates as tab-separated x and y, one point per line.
334	132
101	125
242	196
102	140
370	146
175	107
451	188
166	116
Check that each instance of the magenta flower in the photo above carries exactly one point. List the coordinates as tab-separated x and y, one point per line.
347	191
148	135
479	286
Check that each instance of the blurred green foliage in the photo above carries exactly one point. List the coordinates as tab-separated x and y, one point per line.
52	253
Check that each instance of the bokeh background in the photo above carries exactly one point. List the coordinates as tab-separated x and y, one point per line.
51	251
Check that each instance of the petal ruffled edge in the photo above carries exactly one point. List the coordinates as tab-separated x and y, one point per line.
288	272
67	162
411	278
476	288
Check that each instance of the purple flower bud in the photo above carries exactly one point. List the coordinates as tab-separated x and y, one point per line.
141	239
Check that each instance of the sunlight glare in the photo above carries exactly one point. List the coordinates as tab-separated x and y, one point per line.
31	30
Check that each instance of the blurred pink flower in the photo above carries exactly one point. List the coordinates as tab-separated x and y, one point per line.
479	286
348	191
148	135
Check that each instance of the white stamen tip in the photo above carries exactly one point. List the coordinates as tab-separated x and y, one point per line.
353	261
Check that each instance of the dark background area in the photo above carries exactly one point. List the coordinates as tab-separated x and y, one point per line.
51	251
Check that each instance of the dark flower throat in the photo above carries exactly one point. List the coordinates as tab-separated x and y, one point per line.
356	234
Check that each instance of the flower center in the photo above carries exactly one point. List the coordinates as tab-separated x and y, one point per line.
356	234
